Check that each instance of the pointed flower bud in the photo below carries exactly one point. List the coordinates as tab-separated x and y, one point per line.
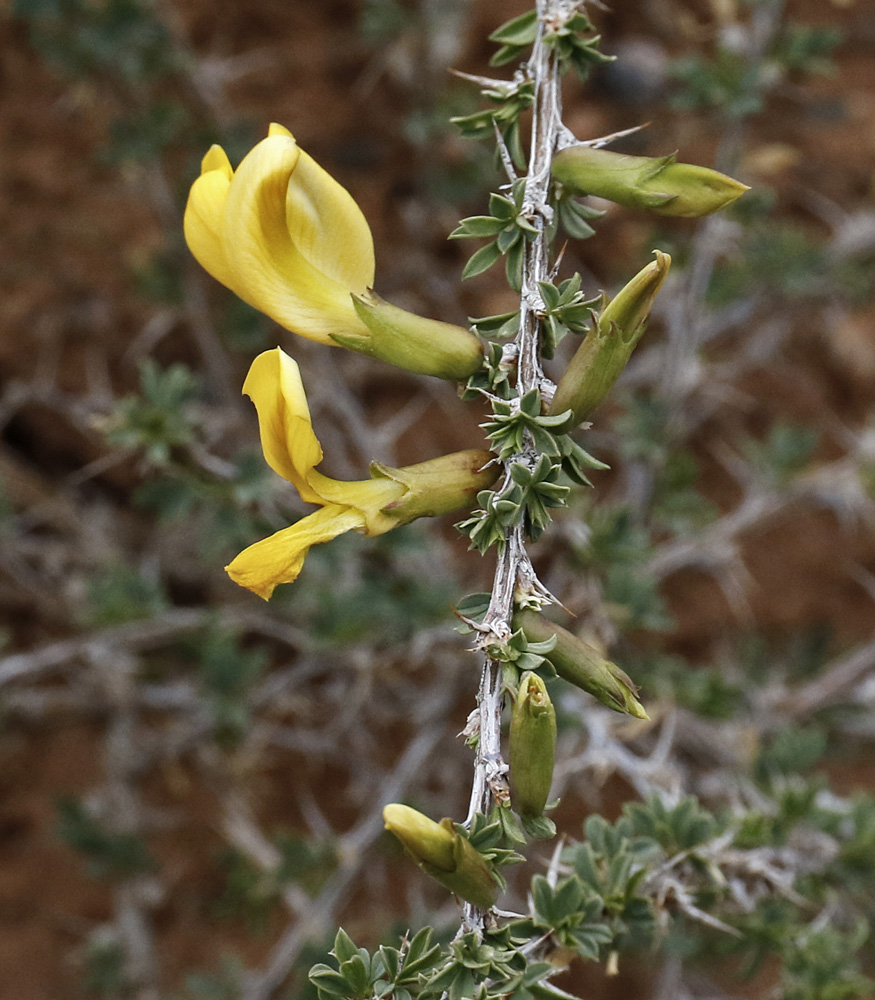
444	854
657	184
579	663
281	233
391	497
532	746
608	345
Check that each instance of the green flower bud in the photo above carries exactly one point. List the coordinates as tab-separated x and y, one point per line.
438	486
532	746
608	345
660	184
579	663
413	342
444	854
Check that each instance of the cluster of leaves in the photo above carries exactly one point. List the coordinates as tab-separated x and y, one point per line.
575	47
605	899
254	893
735	83
570	38
539	453
110	854
787	260
166	424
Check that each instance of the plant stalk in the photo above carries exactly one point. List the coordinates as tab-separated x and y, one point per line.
514	570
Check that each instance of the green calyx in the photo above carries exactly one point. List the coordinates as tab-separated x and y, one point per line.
438	486
412	342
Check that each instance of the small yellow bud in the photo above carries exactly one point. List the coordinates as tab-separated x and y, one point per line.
444	854
532	746
608	345
660	184
579	663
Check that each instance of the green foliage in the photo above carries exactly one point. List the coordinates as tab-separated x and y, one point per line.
728	81
390	972
253	894
617	548
805	49
377	594
110	854
105	969
575	216
681	828
792	751
775	258
571	914
144	136
119	593
509	225
517	430
821	964
115	36
785	453
704	690
569	38
227	671
381	21
160	419
508	100
566	310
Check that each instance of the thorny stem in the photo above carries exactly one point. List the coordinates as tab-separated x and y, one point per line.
514	570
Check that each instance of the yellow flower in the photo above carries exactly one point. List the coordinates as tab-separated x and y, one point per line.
372	507
282	234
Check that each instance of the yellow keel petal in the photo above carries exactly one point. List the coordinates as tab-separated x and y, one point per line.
279	558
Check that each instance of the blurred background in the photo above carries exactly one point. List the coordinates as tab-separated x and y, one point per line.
191	780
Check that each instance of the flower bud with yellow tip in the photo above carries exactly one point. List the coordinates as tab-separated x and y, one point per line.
656	184
605	350
444	854
532	746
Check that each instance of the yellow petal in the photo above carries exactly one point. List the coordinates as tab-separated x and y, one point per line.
217	159
369	496
270	272
279	558
204	214
288	441
276	129
328	227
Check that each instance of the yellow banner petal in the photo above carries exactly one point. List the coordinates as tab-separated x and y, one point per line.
288	441
271	274
328	227
279	558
